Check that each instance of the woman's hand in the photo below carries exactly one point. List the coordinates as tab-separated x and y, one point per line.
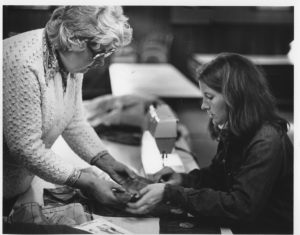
167	175
103	192
151	195
119	172
99	189
116	170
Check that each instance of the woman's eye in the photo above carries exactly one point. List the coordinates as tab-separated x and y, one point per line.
95	46
209	97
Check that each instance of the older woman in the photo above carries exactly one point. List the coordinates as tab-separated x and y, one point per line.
42	79
249	185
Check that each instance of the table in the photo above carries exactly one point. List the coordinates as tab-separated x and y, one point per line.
256	59
127	154
138	158
131	156
162	80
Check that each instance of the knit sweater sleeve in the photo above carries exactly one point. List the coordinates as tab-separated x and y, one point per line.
22	123
79	134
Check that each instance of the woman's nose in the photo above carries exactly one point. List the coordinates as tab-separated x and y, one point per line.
204	105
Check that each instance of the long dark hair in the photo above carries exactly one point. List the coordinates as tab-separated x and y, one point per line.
246	93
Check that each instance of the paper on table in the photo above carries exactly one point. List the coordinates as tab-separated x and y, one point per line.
102	226
135	225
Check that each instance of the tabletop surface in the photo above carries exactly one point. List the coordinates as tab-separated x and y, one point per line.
138	158
257	59
162	80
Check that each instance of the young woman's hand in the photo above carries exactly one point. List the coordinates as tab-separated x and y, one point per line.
151	195
167	175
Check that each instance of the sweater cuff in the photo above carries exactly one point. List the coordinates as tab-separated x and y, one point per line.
99	156
73	178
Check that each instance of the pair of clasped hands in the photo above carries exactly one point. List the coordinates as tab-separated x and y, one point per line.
147	192
152	194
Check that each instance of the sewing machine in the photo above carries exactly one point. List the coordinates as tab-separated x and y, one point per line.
161	122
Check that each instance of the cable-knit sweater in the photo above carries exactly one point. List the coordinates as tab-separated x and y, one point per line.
36	111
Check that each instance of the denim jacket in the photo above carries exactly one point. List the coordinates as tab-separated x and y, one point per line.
248	186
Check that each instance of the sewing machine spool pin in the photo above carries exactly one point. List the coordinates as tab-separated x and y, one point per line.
164	156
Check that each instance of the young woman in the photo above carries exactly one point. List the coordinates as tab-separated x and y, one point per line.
249	184
42	79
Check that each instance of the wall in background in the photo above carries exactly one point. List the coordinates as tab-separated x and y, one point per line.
18	19
246	30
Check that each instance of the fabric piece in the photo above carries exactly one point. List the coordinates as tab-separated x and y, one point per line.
128	110
136	184
28	213
132	186
123	134
71	214
62	195
66	194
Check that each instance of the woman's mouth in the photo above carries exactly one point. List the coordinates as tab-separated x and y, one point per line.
210	115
